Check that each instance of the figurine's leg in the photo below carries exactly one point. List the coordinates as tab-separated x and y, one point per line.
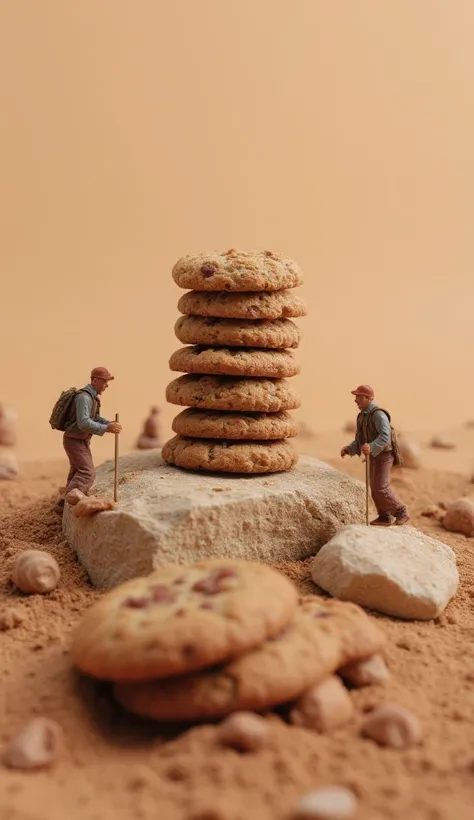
80	455
384	498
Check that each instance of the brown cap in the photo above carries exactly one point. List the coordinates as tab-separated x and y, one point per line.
101	373
363	390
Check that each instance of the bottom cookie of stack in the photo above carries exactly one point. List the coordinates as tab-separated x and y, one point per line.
230	456
232	425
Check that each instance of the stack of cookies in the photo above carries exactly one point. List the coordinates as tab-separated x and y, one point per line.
238	330
200	641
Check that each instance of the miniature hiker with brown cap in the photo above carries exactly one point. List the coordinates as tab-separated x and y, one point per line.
375	438
77	413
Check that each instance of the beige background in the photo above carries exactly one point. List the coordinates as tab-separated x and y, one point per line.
340	132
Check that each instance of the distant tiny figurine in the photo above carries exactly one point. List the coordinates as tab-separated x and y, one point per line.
7	427
376	439
150	437
77	414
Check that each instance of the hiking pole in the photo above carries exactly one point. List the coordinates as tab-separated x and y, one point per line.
367	489
116	461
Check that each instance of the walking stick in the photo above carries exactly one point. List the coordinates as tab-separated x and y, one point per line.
367	489
116	461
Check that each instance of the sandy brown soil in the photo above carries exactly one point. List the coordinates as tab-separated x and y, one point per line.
116	766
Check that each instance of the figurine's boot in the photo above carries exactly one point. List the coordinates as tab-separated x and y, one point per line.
384	520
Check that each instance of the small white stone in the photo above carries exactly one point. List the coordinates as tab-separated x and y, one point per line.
330	803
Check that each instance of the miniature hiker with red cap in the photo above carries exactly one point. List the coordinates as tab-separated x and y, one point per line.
77	414
376	438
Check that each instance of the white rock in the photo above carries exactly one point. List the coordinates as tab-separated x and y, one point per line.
330	803
398	570
167	515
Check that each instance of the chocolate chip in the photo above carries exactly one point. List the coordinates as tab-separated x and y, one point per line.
212	584
322	614
136	602
208	270
161	594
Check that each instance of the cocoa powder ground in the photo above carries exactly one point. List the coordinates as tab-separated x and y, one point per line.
116	766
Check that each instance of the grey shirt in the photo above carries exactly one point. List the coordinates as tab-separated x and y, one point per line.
384	433
83	407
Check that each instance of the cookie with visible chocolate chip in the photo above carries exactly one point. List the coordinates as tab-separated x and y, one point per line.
243	426
279	304
319	639
235	270
227	393
225	456
235	361
202	330
182	618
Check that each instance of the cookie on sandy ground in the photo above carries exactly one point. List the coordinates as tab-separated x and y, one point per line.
235	361
237	271
202	330
227	393
226	456
322	634
278	304
182	618
254	426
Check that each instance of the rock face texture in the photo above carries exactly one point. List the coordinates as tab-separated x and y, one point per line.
397	571
166	515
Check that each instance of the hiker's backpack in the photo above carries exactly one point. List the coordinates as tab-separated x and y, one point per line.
397	456
62	410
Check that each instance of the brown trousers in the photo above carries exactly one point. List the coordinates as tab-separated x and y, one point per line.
82	473
384	499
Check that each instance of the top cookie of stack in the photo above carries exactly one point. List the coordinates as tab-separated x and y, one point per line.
237	329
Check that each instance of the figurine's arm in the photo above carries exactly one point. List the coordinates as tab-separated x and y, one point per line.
353	448
384	436
83	416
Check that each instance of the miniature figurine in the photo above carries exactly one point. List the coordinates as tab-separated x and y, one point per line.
150	437
77	413
376	439
7	427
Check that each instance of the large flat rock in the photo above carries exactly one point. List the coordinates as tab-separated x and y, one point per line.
167	515
399	571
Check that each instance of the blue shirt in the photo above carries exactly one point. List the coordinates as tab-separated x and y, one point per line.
83	407
384	433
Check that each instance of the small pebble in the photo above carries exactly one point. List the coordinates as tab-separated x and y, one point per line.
331	803
323	708
392	725
36	746
11	618
363	673
243	731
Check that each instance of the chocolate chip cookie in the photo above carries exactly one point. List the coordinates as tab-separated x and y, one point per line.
235	361
182	618
235	270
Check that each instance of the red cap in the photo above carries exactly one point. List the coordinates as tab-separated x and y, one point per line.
363	390
101	373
